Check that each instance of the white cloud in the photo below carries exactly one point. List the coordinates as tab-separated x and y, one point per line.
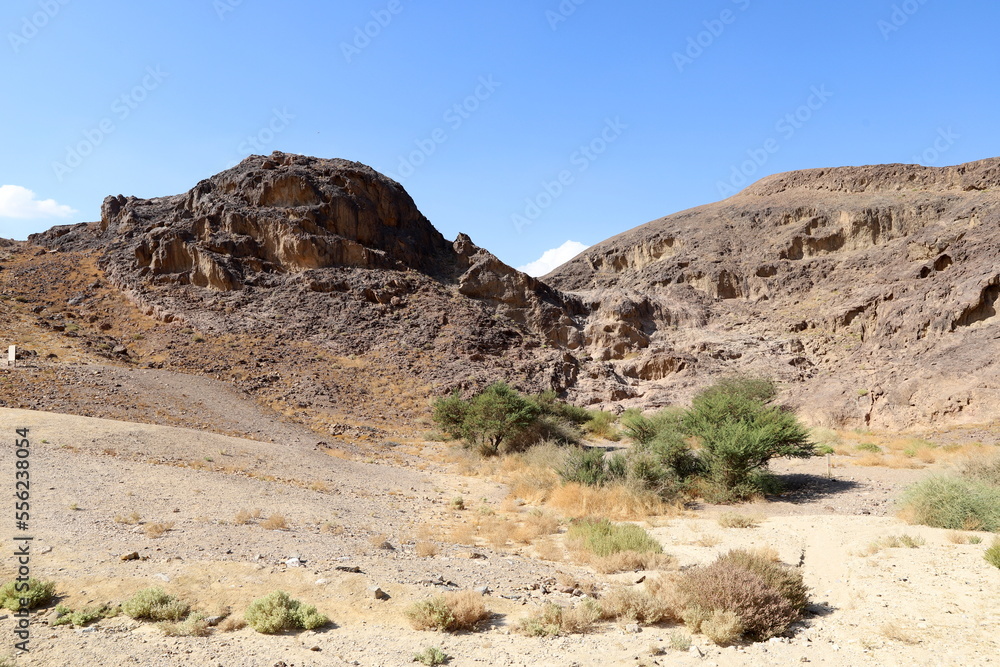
18	202
551	259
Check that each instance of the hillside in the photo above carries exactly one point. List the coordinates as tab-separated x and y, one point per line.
318	287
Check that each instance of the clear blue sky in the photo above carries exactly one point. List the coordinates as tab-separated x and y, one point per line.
161	95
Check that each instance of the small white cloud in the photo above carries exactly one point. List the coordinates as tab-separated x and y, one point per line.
20	203
551	259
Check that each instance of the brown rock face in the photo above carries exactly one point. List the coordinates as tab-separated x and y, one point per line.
282	214
874	289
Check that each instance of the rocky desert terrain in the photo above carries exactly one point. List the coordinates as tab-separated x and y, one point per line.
227	392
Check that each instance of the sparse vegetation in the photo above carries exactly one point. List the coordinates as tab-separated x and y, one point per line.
277	612
895	542
38	594
153	604
450	612
86	616
244	517
738	520
634	605
552	620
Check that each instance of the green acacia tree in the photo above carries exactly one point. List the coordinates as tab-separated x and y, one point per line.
489	419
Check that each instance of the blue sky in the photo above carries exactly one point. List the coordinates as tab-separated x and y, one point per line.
525	124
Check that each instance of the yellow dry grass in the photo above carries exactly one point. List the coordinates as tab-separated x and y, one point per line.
616	501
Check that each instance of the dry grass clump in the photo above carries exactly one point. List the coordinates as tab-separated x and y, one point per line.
232	624
552	620
897	633
741	594
129	519
450	612
738	520
275	522
635	605
957	537
534	525
631	561
894	542
982	468
426	549
381	542
615	501
156	530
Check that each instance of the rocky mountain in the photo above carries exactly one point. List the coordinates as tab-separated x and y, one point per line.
319	286
872	291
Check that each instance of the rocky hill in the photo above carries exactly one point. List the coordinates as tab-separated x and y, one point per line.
319	287
872	290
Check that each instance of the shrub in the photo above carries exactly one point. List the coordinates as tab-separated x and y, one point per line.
38	594
194	625
431	656
275	522
552	620
588	467
740	594
86	616
992	554
277	612
603	538
450	612
782	578
544	428
952	502
601	425
153	604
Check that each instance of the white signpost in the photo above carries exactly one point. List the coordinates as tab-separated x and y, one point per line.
12	355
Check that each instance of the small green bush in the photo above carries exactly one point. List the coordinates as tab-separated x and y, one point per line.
86	616
431	656
951	502
277	612
39	594
451	612
992	554
194	625
153	604
603	538
868	447
589	467
601	425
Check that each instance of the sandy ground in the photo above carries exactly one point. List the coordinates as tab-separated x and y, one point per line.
932	605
